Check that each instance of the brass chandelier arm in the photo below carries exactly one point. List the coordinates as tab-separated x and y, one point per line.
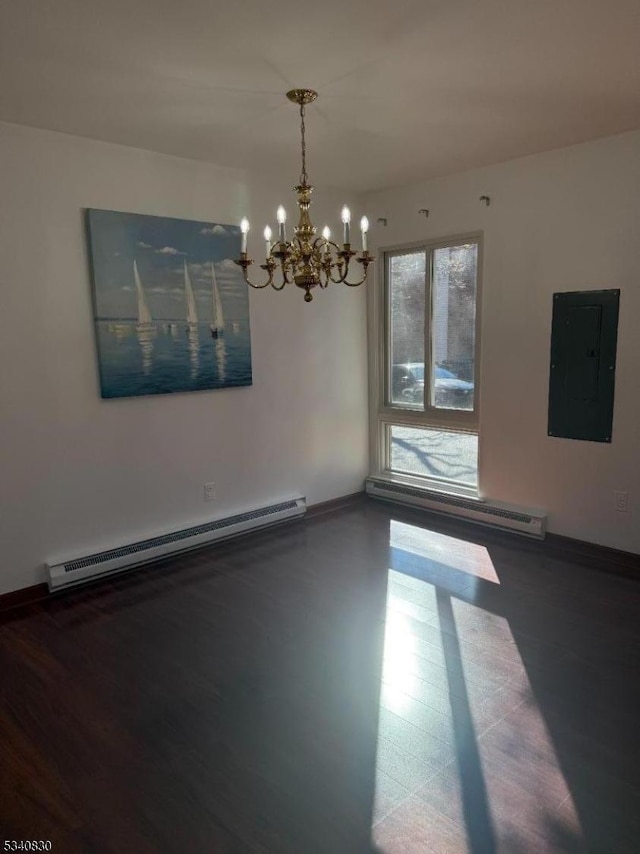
324	262
324	283
365	260
344	256
245	262
343	266
270	267
285	273
283	255
355	284
277	287
328	263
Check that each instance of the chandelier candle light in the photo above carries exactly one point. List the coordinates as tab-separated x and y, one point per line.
307	261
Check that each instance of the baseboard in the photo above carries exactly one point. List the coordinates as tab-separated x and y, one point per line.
594	555
334	504
24	596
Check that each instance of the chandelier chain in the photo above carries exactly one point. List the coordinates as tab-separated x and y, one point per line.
303	174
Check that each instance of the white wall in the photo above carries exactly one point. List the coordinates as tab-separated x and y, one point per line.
79	473
560	221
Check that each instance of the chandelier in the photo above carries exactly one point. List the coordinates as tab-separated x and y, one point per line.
306	260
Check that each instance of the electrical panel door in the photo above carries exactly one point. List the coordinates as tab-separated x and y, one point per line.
583	365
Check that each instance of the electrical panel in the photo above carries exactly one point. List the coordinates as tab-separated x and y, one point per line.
584	336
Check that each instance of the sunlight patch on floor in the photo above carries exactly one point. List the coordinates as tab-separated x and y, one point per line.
440	549
465	761
400	645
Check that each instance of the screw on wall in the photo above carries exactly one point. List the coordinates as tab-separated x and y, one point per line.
486	200
424	211
382	220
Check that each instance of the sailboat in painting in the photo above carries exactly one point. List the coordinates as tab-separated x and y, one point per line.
217	323
145	320
192	313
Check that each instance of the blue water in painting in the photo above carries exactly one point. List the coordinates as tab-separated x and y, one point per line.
169	356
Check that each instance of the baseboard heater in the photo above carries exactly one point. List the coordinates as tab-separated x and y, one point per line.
529	523
79	570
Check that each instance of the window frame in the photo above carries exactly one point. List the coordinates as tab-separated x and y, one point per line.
383	414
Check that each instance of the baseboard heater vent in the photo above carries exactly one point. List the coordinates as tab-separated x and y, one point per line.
529	523
79	570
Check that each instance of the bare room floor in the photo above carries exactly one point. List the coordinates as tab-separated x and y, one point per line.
370	680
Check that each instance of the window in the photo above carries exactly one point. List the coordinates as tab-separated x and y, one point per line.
426	402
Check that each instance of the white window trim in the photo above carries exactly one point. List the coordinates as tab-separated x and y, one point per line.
381	415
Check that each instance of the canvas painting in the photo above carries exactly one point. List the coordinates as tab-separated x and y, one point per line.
171	308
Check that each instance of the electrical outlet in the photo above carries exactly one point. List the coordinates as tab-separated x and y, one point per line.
622	501
209	492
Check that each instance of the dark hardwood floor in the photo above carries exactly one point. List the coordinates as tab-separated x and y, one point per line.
371	680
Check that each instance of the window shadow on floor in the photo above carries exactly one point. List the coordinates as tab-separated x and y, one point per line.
477	817
543	665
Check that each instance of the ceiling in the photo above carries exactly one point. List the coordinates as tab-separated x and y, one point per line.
409	89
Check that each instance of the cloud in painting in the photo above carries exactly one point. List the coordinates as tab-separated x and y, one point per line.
144	245
217	230
169	250
200	269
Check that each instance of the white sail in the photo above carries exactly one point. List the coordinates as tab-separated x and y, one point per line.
218	315
144	315
192	314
